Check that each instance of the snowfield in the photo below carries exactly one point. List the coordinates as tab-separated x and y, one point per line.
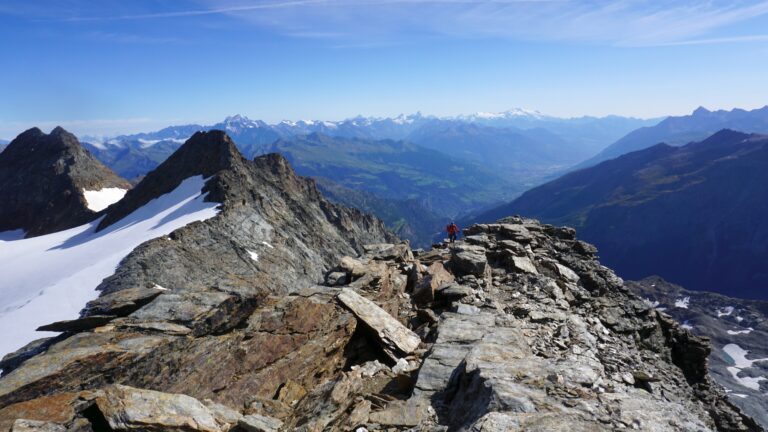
101	199
739	356
51	278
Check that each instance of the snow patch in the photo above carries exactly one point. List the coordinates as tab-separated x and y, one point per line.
267	245
103	198
683	302
740	395
158	287
738	332
50	278
724	311
686	325
740	362
254	256
145	143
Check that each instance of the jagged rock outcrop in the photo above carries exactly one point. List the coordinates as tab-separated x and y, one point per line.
738	334
211	292
43	179
557	343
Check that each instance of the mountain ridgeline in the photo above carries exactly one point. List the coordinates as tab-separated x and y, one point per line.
283	311
44	179
681	130
695	215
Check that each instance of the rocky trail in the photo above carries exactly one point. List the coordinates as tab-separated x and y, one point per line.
286	312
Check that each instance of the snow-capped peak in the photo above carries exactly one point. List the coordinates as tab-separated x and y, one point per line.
509	114
237	118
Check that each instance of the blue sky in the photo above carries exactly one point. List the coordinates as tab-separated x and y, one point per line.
107	67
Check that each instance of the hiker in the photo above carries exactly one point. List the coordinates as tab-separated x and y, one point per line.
453	231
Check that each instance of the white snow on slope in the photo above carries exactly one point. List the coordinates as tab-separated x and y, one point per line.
103	198
51	278
738	332
740	361
724	311
683	302
145	143
254	256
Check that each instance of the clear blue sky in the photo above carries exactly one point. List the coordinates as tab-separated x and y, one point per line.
105	67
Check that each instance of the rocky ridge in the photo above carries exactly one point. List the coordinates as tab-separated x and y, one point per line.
518	327
43	179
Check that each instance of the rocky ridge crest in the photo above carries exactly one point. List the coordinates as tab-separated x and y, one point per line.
43	179
518	327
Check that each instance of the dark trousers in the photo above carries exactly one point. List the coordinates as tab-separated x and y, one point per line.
452	237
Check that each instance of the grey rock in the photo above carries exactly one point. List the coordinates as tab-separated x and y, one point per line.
77	325
400	413
336	278
260	423
452	292
395	338
524	264
127	408
22	425
469	260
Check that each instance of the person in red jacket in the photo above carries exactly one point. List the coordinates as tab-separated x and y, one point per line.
453	231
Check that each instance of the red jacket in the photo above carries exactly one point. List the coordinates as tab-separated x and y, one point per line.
452	229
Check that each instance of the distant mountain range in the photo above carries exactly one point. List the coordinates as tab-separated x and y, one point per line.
677	131
572	140
695	215
443	166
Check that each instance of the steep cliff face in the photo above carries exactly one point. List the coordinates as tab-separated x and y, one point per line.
519	327
738	332
49	183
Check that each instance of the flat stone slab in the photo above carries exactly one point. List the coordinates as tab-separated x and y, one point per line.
395	337
127	408
78	325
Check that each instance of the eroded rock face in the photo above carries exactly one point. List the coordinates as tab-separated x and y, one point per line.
42	182
522	329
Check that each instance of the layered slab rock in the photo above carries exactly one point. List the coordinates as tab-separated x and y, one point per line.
126	408
396	339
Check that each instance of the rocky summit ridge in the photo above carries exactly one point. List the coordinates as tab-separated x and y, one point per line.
43	178
286	312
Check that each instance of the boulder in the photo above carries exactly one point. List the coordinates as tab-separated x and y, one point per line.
452	292
127	408
437	276
353	267
471	260
395	338
524	264
260	423
400	252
